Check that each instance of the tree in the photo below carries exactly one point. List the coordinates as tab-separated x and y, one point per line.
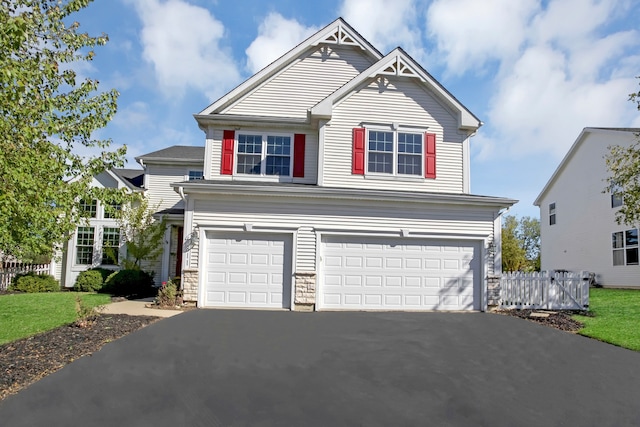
142	233
46	114
520	244
623	164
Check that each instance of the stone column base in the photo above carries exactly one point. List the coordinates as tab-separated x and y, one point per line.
190	284
305	296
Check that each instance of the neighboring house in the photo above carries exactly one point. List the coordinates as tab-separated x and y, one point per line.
86	248
160	168
578	230
338	179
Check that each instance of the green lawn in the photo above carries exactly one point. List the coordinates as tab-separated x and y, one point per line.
617	317
23	315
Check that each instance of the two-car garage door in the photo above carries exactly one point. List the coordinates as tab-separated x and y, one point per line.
244	269
362	273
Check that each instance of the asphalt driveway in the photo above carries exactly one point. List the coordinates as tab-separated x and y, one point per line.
261	368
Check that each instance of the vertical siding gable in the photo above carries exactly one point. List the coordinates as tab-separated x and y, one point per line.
307	81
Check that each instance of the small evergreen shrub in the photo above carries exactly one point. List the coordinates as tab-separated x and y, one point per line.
167	294
104	272
32	282
89	281
130	283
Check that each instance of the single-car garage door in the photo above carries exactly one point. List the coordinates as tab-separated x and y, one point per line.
248	270
362	273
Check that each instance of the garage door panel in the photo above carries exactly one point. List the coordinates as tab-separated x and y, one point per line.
248	270
394	273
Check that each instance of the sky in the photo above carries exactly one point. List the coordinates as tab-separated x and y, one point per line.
535	72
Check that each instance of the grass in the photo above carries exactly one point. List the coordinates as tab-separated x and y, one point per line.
616	317
24	315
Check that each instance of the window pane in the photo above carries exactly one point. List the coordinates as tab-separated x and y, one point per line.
277	165
194	175
631	237
409	164
110	245
618	257
111	210
381	141
280	145
91	207
250	144
632	256
552	208
616	240
84	245
379	162
616	200
248	164
552	219
410	143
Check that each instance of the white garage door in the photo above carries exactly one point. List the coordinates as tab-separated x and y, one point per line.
399	274
248	270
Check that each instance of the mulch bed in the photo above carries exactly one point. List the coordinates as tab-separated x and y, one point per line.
25	361
556	319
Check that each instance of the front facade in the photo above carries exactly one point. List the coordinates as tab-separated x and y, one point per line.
578	229
338	179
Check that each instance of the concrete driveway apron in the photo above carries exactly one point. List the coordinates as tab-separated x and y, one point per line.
266	368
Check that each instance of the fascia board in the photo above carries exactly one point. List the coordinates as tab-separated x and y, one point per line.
203	187
251	121
583	135
267	72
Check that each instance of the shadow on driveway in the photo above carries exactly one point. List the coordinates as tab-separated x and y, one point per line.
263	368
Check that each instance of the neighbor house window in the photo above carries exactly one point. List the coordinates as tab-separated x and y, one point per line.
395	153
84	245
90	207
195	175
616	196
268	155
110	245
625	247
552	213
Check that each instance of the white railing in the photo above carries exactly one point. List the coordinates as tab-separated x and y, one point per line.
9	270
545	290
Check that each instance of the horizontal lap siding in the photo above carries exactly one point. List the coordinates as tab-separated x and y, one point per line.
310	155
404	102
304	84
159	190
347	215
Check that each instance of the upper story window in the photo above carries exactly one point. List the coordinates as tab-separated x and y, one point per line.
625	247
552	213
111	210
195	175
394	151
616	196
90	207
264	155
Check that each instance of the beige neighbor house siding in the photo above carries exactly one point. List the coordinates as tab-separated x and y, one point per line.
310	154
308	215
159	191
385	102
304	83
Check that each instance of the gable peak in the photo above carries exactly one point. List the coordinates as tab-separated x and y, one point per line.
399	66
341	36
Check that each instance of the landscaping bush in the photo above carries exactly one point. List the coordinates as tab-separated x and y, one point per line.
32	282
89	281
167	294
104	272
130	283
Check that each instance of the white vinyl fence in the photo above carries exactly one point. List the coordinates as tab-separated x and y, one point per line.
9	269
545	290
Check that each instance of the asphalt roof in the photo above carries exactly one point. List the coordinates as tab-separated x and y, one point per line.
176	152
133	177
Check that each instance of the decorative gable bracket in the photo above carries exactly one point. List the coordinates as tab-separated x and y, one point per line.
339	36
400	68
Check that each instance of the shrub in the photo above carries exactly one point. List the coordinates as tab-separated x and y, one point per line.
130	283
167	294
104	272
32	282
88	281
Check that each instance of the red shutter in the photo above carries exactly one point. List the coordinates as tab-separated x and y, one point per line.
298	155
226	164
357	166
429	155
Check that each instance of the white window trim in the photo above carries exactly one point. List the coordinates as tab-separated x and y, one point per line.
625	247
187	176
262	176
395	129
98	235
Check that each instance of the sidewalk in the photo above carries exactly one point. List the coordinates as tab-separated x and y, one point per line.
137	308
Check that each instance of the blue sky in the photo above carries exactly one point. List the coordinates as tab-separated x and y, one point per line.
535	72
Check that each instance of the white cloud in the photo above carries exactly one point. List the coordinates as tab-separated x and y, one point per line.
133	116
559	68
386	24
276	36
182	41
471	33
